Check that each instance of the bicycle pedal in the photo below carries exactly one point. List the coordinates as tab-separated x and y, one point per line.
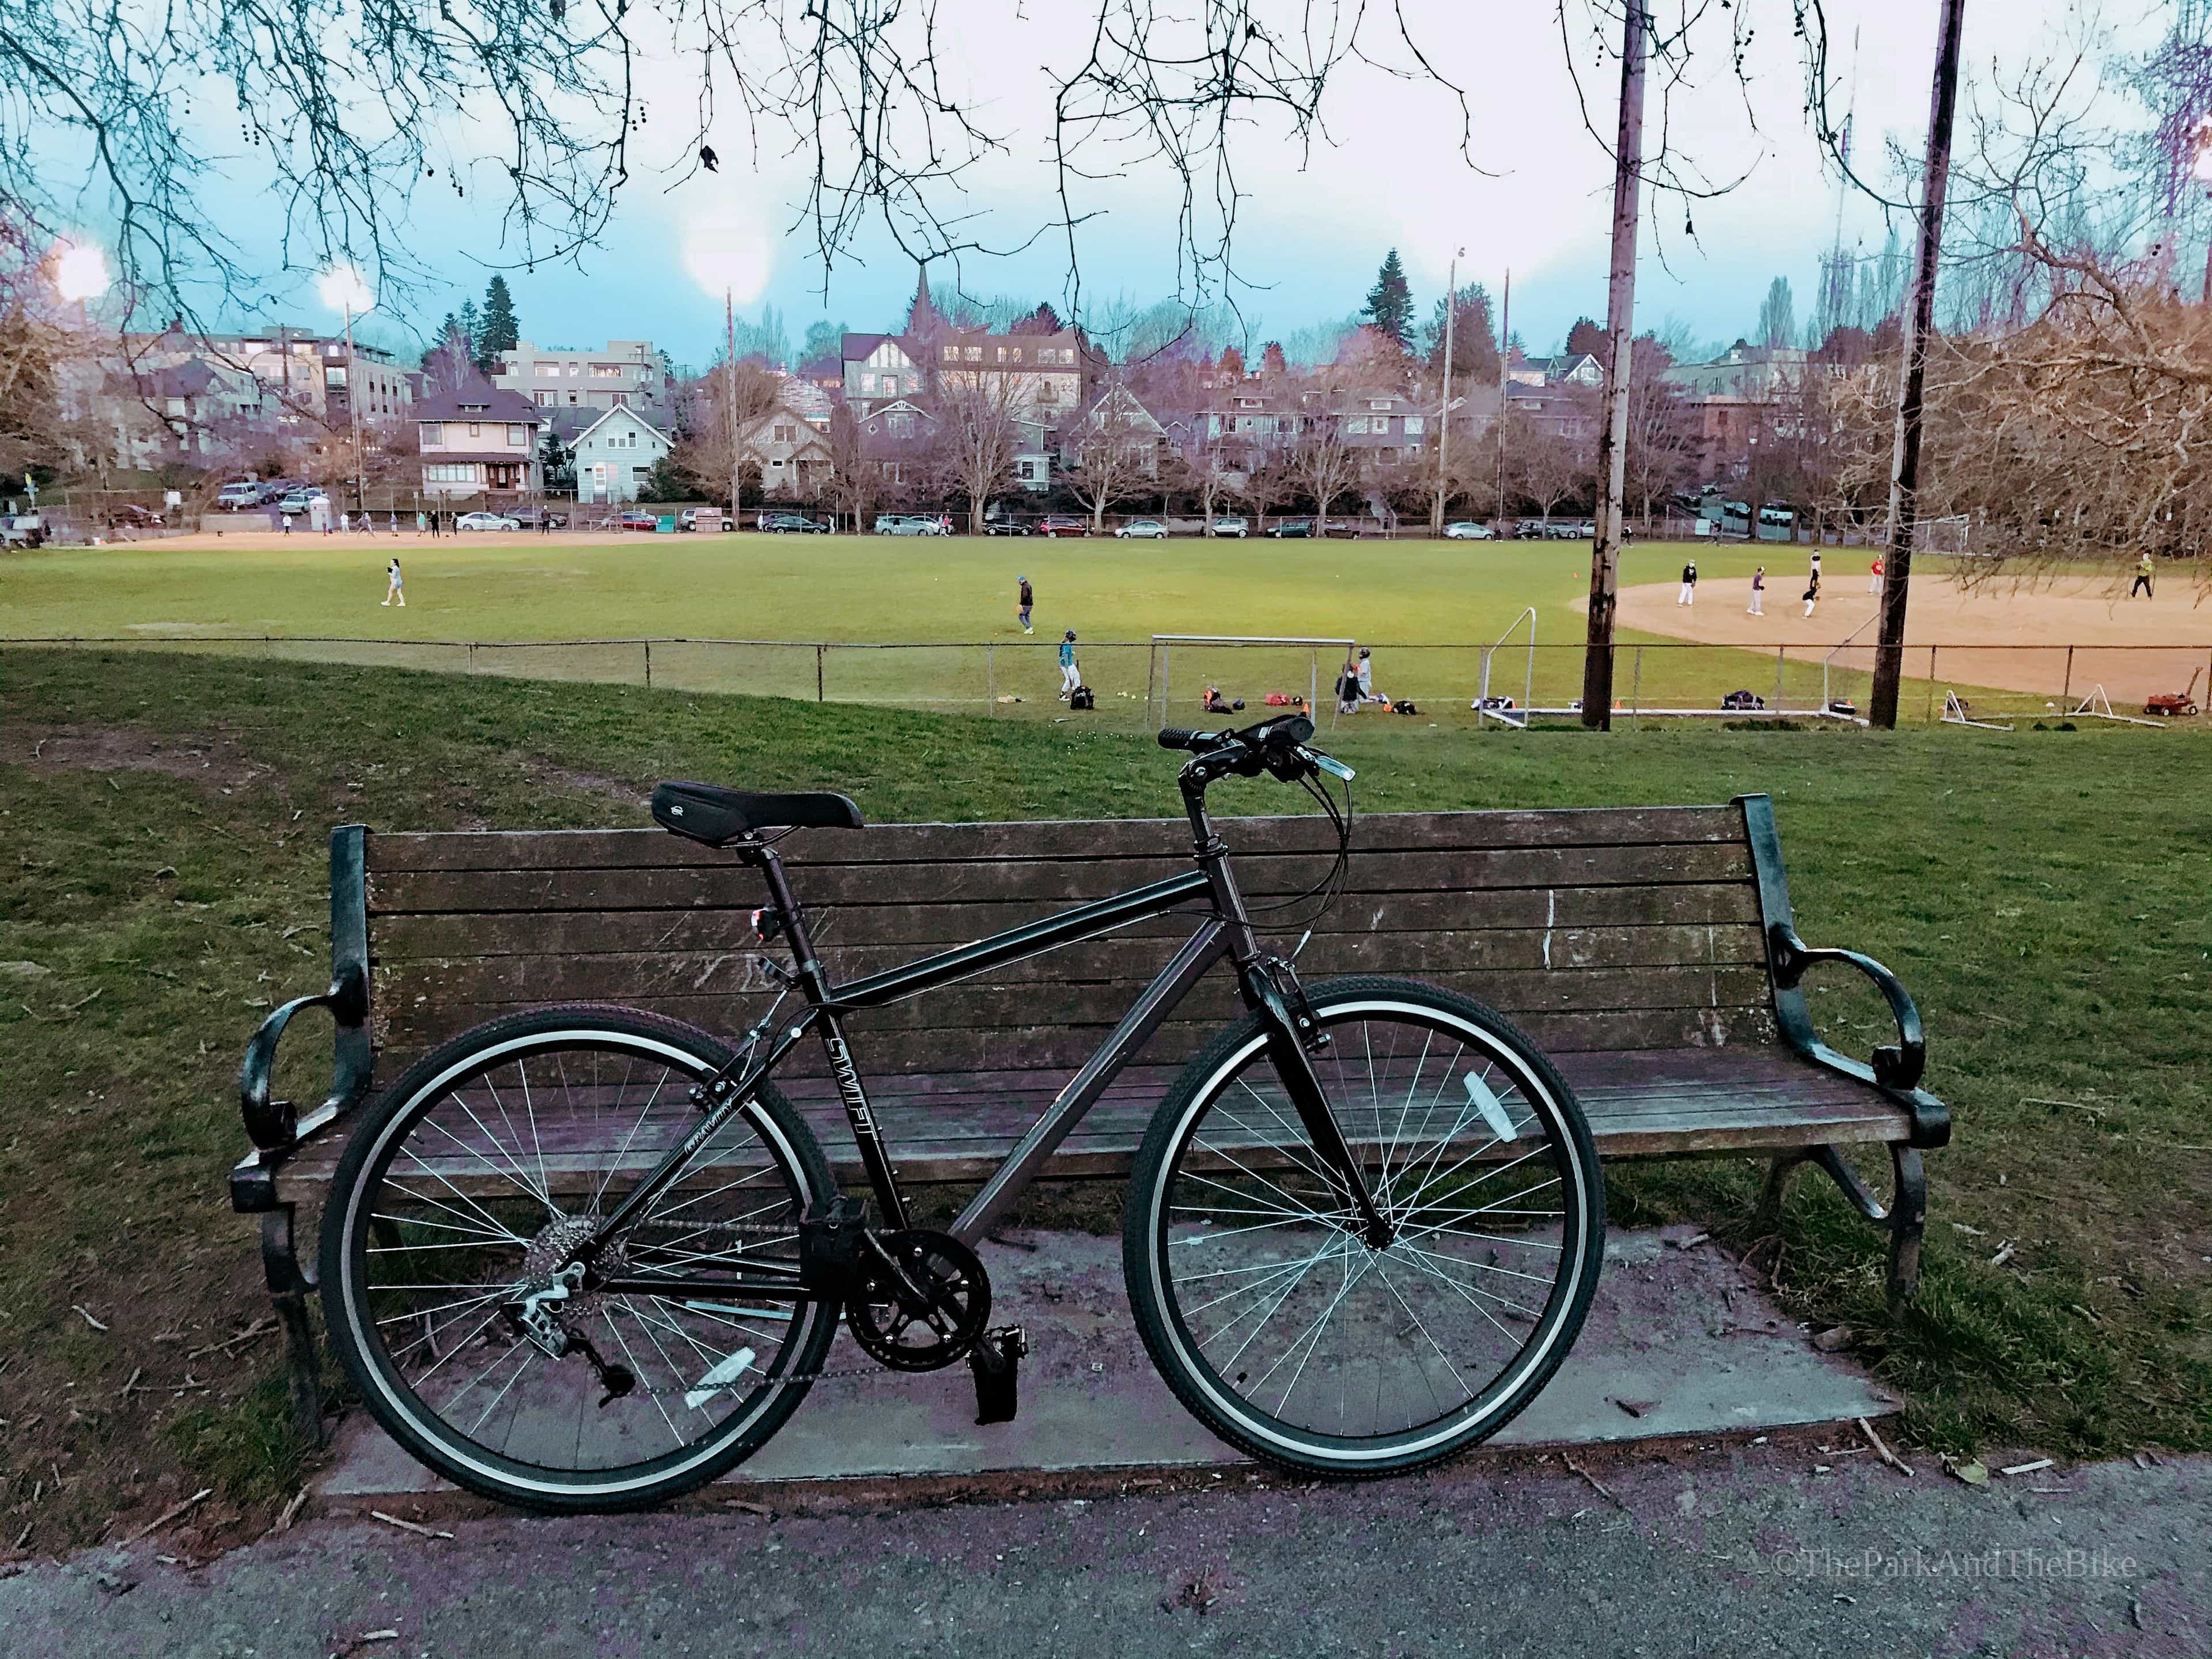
996	1363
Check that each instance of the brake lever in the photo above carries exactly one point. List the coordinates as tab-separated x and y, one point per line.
1328	763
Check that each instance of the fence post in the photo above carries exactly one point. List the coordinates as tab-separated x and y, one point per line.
1636	691
1313	680
1151	667
1931	685
2066	691
990	680
1779	650
648	665
818	651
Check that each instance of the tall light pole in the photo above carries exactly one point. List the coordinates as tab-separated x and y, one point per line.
343	289
1443	416
1620	325
730	373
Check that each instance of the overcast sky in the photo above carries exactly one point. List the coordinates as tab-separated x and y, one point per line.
1314	226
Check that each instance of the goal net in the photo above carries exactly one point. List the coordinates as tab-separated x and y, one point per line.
1246	666
1951	536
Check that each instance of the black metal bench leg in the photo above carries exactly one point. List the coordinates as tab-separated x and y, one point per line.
288	1295
1908	1219
1767	1218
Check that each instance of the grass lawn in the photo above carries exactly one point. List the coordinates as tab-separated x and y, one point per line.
1430	607
2042	894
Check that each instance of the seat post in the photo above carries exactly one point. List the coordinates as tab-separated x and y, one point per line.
789	914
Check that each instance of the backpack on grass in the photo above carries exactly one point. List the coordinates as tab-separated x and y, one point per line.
1082	697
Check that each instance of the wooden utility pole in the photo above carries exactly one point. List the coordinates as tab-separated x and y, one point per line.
1920	323
730	370
1620	326
1443	415
1505	361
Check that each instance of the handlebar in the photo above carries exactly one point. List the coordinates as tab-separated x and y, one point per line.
1278	746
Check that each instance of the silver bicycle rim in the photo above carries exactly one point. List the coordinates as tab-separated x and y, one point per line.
1296	1332
696	1396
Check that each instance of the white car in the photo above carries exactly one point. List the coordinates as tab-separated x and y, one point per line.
1231	525
1144	529
1467	530
239	494
486	521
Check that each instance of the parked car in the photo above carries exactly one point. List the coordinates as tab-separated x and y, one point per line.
1063	524
1229	524
1291	529
1144	530
527	518
792	523
1465	530
1007	527
1743	700
22	529
910	524
239	494
293	503
487	521
706	518
638	517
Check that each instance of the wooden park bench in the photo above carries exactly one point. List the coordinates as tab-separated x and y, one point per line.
1651	950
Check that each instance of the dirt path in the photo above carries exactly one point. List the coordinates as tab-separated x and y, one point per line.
2010	637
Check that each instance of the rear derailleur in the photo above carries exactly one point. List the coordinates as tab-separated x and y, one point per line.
536	1321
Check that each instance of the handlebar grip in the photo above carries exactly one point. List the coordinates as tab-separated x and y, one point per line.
1178	737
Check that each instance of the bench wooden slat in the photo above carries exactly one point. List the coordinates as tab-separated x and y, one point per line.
905	843
1261	877
922	927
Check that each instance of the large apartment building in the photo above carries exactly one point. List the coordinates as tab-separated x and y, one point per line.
621	374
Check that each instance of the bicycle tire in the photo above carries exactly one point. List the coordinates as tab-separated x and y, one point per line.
365	1200
1263	1183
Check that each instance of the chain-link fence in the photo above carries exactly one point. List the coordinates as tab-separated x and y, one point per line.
1145	683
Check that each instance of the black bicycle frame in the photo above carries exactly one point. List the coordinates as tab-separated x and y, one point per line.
1225	931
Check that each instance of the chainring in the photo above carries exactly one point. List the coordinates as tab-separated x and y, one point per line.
935	1318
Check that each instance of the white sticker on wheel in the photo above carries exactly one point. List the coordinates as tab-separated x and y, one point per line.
728	1371
1485	1101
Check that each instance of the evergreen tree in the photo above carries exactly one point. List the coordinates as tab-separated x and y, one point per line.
1043	320
1390	305
447	330
1475	336
1588	336
1272	360
498	330
823	339
1232	363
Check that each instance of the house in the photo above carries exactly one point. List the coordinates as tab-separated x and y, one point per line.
621	374
1570	368
1568	411
614	455
826	372
1735	397
1117	418
1382	423
877	368
790	444
1042	374
479	441
899	441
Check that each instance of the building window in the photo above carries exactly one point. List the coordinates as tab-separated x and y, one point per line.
1378	402
544	400
433	431
1356	423
1415	425
549	371
621	400
474	429
517	436
952	354
973	354
1047	391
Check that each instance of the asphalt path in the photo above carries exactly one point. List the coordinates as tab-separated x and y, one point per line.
1734	1550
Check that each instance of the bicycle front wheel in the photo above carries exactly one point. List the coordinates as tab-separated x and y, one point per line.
464	1187
1263	1304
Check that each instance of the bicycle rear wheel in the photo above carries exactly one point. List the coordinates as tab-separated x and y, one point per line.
1260	1301
474	1174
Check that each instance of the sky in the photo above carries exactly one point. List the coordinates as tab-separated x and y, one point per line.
1315	222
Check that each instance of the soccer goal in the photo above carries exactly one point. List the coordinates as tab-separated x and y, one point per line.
1247	666
1951	536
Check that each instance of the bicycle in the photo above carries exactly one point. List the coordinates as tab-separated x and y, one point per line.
586	1257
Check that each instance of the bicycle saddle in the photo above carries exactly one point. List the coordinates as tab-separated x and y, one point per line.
705	813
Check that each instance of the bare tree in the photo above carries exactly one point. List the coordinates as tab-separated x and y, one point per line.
979	438
1114	452
1326	465
1546	468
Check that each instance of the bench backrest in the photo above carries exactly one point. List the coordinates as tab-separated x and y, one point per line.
1602	929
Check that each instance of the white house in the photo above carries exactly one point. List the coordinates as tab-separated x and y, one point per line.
614	455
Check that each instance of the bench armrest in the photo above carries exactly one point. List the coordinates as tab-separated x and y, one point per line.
1898	1066
274	1125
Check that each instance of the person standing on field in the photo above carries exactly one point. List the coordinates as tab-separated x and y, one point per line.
1070	677
1811	592
392	593
1873	577
1025	600
2143	579
1758	593
1689	594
